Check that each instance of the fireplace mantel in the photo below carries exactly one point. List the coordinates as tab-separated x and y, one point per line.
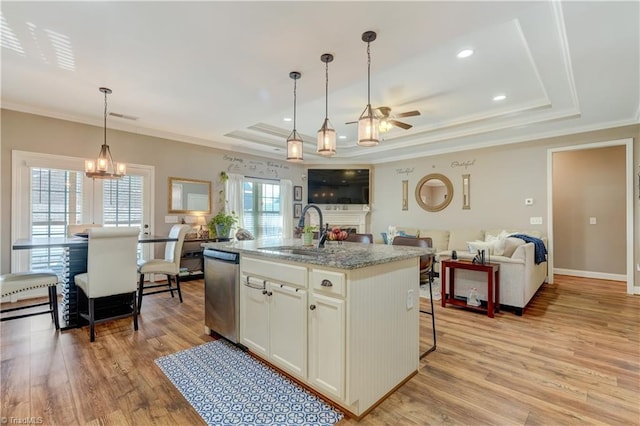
344	219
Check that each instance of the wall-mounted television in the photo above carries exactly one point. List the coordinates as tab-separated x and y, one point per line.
338	186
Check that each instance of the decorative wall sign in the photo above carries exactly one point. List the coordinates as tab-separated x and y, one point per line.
405	171
466	164
254	168
297	193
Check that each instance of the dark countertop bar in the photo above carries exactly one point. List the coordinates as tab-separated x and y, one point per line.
343	255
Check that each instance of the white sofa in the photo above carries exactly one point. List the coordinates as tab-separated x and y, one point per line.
520	277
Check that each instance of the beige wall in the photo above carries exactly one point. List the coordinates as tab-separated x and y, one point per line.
27	132
590	183
501	179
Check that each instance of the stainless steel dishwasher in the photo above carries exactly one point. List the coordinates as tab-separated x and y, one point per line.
222	293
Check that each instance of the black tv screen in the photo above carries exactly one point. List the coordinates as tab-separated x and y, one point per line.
338	186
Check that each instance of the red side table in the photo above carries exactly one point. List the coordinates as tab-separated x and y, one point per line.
493	280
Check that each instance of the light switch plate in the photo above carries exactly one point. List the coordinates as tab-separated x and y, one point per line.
535	220
171	219
593	221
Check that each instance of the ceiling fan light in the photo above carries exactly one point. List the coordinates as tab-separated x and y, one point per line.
385	126
326	139
368	128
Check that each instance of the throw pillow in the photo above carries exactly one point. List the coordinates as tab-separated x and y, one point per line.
511	244
474	246
499	242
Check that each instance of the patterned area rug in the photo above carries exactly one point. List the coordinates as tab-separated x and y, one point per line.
227	386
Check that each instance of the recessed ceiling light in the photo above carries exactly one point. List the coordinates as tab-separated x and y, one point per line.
342	137
465	53
499	98
287	119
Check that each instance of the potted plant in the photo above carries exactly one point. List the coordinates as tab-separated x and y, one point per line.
307	234
220	225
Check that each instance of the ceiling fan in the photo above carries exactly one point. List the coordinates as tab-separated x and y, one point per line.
388	120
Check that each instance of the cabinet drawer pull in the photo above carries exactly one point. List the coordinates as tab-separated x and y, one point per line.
312	307
326	283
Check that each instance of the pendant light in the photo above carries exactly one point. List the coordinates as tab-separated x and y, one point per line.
368	123
326	134
294	141
104	167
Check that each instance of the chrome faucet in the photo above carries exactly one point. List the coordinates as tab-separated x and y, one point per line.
322	233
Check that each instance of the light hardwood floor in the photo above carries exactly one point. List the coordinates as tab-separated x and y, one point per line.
573	358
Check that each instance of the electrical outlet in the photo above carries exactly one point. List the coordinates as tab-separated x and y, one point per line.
592	221
410	299
528	201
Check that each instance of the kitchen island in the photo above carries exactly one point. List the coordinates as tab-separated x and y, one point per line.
342	320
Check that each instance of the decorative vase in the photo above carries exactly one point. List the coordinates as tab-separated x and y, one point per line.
307	238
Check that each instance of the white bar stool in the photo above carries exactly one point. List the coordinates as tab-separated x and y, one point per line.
23	281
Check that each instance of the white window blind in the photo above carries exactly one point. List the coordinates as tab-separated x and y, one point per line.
262	213
56	200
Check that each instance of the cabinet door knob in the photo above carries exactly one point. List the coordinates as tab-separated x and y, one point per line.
326	283
267	293
312	307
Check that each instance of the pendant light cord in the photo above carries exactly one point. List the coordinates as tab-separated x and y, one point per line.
368	74
326	91
295	83
105	117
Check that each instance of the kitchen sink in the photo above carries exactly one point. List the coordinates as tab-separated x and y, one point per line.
311	251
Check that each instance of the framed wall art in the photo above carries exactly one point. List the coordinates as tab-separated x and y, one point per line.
297	210
297	193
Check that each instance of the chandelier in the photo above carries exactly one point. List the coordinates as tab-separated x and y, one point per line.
104	167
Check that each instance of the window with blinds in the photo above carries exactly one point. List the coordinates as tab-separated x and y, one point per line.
122	202
57	200
262	214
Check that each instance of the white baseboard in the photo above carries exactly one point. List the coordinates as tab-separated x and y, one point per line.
591	274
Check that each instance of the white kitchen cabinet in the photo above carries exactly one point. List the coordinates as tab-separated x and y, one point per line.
288	328
273	323
254	315
327	344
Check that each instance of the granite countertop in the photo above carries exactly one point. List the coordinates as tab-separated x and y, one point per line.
343	256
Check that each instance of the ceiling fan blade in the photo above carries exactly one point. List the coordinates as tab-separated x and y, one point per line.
351	122
408	114
400	124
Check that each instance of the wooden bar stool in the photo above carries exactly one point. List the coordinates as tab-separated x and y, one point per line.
23	281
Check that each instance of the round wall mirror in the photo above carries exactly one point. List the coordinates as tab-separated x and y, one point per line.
434	192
